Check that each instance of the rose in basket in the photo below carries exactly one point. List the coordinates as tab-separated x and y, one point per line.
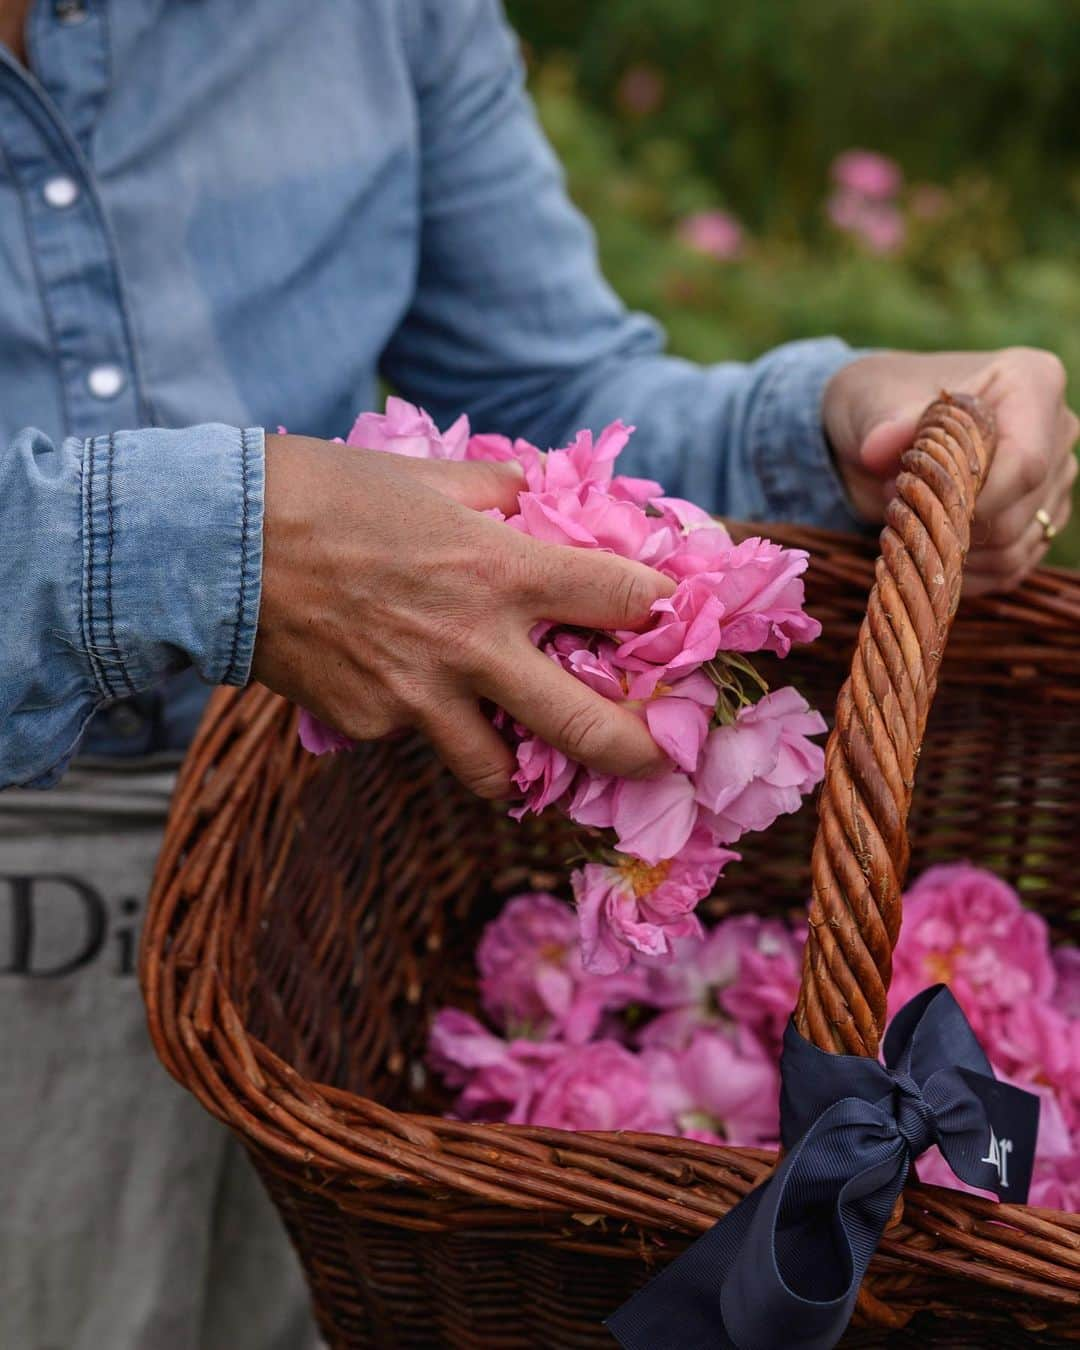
692	1046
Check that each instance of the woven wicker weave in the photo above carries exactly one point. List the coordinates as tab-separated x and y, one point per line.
309	915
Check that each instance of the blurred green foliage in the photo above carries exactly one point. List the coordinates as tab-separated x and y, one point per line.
662	108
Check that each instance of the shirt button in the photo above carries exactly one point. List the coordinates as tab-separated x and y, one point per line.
105	381
70	11
60	192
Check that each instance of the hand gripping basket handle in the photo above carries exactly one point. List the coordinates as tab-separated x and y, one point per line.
861	850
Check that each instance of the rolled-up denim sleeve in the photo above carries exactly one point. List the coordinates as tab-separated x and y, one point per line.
122	558
514	323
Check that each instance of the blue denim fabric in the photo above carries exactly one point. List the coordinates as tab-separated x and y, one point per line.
219	216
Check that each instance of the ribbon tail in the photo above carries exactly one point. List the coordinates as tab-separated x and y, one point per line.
782	1270
679	1309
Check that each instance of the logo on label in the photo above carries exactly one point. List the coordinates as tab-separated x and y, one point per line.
997	1155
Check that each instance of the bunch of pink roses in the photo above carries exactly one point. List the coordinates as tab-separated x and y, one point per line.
691	1047
740	755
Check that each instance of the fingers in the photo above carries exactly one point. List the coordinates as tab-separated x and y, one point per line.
1004	568
470	747
1036	429
568	715
588	588
480	485
1009	526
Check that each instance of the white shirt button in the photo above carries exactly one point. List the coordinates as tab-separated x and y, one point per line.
60	192
105	381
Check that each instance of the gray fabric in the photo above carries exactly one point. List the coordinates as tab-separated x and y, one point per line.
129	1218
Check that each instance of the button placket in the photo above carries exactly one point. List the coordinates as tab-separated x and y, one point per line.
74	261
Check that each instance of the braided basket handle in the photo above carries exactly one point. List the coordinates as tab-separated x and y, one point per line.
861	850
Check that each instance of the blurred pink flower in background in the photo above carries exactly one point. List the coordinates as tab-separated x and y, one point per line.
713	232
867	174
879	225
864	203
640	90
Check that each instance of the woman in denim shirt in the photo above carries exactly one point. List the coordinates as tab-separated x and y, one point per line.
215	217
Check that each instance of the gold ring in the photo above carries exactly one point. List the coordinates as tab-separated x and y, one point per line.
1049	529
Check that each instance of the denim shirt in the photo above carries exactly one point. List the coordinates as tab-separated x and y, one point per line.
219	215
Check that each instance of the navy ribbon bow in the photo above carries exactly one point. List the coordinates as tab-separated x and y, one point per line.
781	1270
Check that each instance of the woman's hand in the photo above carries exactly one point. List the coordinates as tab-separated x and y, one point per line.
870	413
390	601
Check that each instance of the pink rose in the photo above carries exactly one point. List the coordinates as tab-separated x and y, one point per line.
760	766
715	233
654	817
760	587
499	1078
1067	969
586	462
600	1086
878	225
592	801
532	979
720	1089
543	775
632	906
691	541
867	174
586	517
684	634
762	996
1036	1043
1055	1184
746	970
676	713
966	928
407	430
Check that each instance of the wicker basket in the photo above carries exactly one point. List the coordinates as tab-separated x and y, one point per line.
309	915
